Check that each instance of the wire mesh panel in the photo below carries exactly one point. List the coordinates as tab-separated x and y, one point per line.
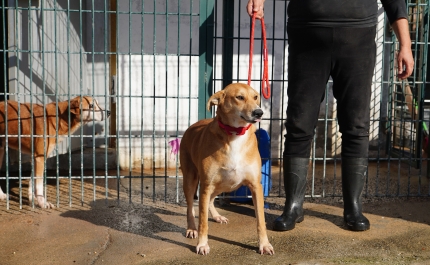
138	59
55	67
408	125
157	93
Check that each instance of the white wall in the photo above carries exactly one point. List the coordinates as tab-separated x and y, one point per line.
139	114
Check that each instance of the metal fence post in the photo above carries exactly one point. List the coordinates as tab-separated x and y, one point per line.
206	36
227	46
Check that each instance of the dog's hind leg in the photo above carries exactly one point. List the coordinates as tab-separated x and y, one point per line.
3	196
38	178
190	183
215	215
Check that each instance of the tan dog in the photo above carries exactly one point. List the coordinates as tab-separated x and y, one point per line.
222	154
32	115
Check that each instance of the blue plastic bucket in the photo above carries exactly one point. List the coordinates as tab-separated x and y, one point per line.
266	169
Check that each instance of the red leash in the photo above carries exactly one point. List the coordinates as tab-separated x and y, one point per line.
265	87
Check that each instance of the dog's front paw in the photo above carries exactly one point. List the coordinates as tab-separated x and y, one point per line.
191	233
203	249
40	201
220	219
266	249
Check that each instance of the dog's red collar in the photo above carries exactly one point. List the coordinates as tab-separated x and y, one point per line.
229	130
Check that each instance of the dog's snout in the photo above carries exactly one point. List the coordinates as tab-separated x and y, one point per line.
257	113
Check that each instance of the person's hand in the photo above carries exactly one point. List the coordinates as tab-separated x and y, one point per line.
405	60
255	6
405	63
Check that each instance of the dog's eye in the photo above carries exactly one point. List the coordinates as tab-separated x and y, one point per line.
91	106
256	97
240	97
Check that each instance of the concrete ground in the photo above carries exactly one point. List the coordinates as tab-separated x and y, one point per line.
86	228
105	232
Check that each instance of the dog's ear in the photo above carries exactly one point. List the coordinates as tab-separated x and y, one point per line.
75	106
216	99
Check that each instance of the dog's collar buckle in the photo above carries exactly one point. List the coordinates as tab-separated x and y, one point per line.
230	130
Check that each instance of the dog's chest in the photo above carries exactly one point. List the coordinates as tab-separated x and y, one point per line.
237	166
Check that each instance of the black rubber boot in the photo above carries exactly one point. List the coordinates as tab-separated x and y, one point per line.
295	172
353	176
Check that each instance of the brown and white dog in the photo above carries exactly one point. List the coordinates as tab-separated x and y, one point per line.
222	154
81	110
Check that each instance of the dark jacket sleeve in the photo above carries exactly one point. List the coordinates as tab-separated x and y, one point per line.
395	9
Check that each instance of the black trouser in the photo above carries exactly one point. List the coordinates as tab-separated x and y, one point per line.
348	56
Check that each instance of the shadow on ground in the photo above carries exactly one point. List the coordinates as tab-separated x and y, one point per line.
142	220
